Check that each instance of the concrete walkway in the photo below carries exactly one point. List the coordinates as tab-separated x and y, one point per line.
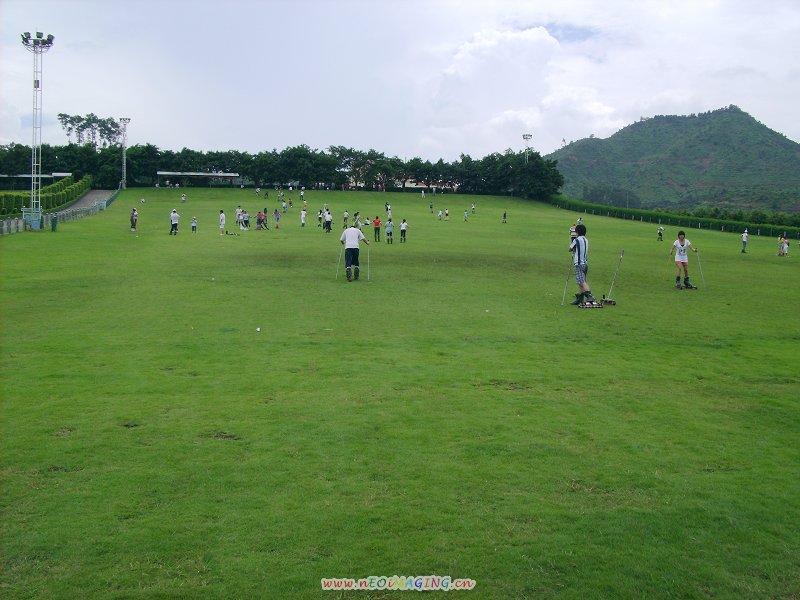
90	197
83	207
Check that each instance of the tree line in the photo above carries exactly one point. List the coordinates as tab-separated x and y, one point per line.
506	173
91	129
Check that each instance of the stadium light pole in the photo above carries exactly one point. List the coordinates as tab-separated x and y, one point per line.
124	124
37	46
527	137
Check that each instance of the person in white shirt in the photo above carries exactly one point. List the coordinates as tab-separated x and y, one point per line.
173	220
351	237
745	237
403	228
221	222
303	218
680	248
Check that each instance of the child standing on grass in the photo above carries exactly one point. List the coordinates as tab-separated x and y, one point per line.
403	228
194	224
376	226
579	246
389	227
680	248
222	222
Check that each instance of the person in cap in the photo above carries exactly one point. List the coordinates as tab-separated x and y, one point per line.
173	220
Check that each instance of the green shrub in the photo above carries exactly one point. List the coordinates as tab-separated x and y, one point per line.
673	219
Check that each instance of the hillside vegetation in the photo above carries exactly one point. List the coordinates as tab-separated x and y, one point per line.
722	158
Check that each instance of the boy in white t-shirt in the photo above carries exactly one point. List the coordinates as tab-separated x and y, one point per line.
680	248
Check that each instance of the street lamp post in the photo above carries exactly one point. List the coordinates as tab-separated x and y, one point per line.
37	46
527	137
124	182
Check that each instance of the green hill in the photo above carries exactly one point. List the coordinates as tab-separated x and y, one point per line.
723	158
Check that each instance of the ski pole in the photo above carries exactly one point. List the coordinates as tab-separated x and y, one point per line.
566	283
613	279
700	264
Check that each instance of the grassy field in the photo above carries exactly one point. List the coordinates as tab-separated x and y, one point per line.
446	417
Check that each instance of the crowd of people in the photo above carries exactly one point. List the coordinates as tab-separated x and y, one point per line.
383	231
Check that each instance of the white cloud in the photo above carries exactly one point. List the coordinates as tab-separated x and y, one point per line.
408	77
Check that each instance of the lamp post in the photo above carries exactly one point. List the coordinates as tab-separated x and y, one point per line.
527	137
124	182
37	46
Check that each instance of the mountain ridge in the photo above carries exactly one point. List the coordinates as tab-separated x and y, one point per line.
722	158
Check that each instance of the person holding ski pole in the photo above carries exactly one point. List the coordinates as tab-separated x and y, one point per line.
351	237
579	246
680	248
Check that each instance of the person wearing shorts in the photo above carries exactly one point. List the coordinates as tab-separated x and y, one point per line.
579	246
680	248
389	229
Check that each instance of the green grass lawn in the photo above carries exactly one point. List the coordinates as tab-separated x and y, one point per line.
446	417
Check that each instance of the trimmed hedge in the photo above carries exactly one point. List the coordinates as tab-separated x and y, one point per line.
665	218
54	196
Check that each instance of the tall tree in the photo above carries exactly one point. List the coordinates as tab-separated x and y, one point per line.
352	163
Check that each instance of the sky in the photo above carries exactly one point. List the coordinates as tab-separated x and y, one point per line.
409	78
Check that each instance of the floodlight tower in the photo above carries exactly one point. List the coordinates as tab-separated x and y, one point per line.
37	46
527	137
124	125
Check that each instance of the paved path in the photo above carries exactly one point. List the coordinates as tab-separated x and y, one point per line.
90	197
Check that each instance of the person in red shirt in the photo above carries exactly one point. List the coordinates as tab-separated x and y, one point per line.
376	224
